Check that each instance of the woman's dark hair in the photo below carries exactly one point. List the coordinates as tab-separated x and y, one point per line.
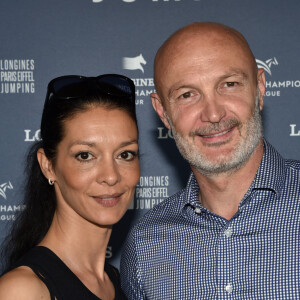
32	224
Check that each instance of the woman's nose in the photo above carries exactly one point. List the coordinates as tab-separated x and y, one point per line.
108	172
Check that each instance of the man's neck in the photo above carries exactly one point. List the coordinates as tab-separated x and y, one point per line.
222	194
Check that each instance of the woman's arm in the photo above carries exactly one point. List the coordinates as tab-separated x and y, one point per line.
22	284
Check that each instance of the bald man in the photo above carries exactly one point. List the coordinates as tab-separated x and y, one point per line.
234	231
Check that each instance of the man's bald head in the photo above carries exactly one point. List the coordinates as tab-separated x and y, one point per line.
205	33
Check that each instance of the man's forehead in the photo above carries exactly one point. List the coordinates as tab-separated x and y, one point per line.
202	30
199	40
203	56
193	42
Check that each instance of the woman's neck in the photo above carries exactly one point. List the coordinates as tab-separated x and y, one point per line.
80	244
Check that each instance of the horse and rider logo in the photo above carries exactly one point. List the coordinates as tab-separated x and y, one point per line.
134	63
267	65
3	187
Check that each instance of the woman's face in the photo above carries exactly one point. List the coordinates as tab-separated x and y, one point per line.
97	165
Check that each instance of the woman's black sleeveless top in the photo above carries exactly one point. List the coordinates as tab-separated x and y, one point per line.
61	282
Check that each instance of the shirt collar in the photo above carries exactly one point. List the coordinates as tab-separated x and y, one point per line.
270	175
271	171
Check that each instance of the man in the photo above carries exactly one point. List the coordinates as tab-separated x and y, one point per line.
234	232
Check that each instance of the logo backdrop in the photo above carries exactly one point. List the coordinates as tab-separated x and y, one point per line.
41	40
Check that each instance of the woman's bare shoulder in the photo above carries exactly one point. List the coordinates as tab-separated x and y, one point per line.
22	284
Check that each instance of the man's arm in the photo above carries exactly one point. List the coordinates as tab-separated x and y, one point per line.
130	273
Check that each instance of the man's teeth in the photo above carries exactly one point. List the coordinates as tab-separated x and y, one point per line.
217	134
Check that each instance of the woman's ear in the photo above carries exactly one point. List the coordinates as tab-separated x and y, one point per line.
45	165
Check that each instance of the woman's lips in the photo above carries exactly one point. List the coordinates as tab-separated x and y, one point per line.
108	200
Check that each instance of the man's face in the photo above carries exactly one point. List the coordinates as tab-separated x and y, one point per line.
240	153
207	96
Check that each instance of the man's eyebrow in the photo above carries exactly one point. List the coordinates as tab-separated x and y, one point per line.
234	72
177	88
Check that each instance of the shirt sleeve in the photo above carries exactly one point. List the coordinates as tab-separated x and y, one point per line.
130	274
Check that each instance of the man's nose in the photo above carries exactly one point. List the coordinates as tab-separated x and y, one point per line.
213	110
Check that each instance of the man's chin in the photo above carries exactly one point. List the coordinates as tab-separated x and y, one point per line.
211	170
216	163
218	154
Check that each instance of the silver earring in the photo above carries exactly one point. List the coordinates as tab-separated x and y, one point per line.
50	181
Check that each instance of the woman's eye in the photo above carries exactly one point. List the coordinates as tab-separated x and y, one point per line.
84	156
128	155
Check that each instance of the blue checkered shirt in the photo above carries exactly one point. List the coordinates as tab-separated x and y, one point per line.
180	250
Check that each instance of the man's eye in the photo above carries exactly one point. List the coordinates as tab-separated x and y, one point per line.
186	95
231	84
84	156
127	155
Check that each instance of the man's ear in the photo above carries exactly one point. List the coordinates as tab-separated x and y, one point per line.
45	165
261	81
158	107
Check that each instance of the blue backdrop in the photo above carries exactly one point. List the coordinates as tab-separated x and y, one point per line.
41	40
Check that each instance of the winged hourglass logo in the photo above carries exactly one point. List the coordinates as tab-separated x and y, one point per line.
267	64
3	187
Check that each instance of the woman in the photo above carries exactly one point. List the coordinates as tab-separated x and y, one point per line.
81	181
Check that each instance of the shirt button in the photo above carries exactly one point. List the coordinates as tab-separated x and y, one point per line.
228	288
228	232
198	210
